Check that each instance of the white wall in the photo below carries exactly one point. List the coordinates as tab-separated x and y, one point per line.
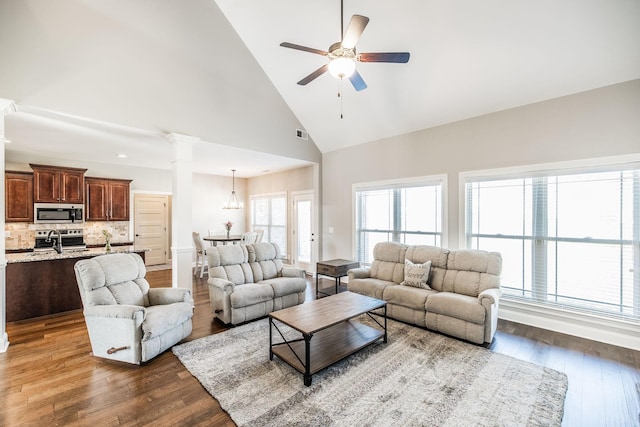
292	180
210	193
597	123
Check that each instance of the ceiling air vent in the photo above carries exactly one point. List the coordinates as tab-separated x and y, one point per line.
302	134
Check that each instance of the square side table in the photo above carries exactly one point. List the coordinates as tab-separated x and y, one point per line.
335	268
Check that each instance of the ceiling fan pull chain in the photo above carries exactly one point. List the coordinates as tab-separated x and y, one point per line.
340	96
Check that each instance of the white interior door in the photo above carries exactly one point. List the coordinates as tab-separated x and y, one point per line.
304	244
150	226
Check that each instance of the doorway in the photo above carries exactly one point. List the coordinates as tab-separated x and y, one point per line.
304	241
151	231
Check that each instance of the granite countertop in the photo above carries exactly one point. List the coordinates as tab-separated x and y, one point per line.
69	253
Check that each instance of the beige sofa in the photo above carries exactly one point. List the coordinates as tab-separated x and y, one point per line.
460	297
250	281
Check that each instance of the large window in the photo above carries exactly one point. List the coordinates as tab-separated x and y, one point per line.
566	238
269	213
405	212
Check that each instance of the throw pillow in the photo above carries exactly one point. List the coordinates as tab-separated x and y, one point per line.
416	275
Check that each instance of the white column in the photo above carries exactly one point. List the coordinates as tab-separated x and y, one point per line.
181	205
6	107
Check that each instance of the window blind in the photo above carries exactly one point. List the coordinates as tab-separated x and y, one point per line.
569	239
269	213
409	213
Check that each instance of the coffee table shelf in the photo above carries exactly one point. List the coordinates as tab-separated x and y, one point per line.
329	346
329	331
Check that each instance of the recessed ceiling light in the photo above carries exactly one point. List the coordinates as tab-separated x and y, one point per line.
7	141
122	156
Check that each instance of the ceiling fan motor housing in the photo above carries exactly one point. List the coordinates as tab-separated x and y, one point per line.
337	51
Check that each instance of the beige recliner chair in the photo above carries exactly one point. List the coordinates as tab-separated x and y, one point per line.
126	319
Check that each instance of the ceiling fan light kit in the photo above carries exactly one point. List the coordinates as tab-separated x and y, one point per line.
342	67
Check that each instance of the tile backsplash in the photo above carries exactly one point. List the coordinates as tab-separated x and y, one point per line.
22	235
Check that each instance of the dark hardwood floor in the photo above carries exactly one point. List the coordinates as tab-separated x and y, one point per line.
48	376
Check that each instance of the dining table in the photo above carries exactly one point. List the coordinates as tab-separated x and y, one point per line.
214	240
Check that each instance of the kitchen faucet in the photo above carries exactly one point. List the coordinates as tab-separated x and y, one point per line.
57	243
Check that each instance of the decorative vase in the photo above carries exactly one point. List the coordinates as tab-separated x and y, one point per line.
107	247
228	233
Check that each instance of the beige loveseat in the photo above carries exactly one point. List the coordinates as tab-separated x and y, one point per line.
459	296
249	281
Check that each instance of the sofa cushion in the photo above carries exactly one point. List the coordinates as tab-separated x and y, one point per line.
416	275
129	293
227	255
470	272
461	307
438	257
407	296
263	251
237	273
286	285
250	293
113	279
388	261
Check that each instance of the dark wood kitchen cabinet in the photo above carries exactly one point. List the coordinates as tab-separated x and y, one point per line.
18	196
107	199
52	184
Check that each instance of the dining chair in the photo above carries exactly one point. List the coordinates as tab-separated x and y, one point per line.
260	235
201	253
248	237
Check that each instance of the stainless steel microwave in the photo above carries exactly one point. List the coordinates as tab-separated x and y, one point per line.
57	213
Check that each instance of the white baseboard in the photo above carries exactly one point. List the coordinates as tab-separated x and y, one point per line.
598	328
4	342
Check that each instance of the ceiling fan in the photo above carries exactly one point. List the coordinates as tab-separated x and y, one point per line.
343	56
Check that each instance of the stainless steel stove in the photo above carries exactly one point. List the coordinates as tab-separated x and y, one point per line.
71	239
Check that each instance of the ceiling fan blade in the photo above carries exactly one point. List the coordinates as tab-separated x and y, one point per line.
303	48
397	57
354	31
357	81
317	73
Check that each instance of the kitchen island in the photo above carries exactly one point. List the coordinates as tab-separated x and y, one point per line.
44	283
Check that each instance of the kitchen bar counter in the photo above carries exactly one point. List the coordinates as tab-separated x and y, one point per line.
68	253
44	283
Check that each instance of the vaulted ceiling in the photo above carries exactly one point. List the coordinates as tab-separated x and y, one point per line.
128	72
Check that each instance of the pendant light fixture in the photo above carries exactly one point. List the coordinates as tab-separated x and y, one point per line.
233	200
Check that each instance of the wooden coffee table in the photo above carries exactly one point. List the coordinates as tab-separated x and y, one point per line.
329	332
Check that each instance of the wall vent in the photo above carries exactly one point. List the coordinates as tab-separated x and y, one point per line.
302	134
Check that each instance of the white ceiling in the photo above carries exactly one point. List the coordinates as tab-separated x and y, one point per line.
50	134
125	73
468	58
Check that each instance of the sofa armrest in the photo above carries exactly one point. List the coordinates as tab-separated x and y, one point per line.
359	273
489	299
222	285
492	296
115	311
220	291
292	272
163	296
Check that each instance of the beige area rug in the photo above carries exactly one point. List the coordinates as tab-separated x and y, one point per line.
417	378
